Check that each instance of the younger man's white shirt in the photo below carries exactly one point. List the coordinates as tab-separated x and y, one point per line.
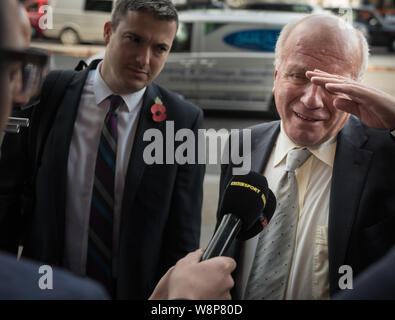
92	110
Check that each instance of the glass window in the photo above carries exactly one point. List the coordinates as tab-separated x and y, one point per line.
98	5
218	36
32	8
210	27
253	39
182	41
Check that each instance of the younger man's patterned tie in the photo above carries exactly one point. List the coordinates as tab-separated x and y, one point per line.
99	257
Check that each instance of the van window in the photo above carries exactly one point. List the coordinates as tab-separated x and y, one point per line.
241	37
211	27
253	39
32	8
304	8
98	5
182	41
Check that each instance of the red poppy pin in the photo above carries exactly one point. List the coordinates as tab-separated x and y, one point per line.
158	111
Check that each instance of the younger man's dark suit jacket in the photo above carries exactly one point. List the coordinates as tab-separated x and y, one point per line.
161	208
362	201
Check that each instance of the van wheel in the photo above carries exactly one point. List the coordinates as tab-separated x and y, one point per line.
69	37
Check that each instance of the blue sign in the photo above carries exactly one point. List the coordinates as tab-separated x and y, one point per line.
257	39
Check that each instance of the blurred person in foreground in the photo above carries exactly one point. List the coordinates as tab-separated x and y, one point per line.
20	279
189	279
332	173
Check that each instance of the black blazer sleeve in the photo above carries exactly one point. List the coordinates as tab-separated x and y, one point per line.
182	233
15	169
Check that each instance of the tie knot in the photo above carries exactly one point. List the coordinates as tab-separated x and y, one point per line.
296	158
115	102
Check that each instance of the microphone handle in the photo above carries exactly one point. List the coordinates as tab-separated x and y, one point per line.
228	229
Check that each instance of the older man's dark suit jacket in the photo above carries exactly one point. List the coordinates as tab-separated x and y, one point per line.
161	209
375	283
362	201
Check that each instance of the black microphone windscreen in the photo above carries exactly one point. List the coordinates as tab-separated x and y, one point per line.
246	197
263	220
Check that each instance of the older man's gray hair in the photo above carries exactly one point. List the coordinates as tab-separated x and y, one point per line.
343	25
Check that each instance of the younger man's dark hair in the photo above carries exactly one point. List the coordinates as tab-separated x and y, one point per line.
160	9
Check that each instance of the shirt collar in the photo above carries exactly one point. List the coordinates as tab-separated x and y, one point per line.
324	152
102	91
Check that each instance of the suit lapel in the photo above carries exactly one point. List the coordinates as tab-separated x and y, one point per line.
350	169
263	140
136	164
60	144
262	147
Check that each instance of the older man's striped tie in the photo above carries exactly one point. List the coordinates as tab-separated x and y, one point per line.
100	238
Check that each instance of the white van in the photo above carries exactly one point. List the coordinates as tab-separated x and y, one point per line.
76	21
223	59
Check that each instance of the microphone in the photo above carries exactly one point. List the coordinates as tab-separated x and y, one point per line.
247	207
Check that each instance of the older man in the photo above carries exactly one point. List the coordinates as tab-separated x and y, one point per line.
332	176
